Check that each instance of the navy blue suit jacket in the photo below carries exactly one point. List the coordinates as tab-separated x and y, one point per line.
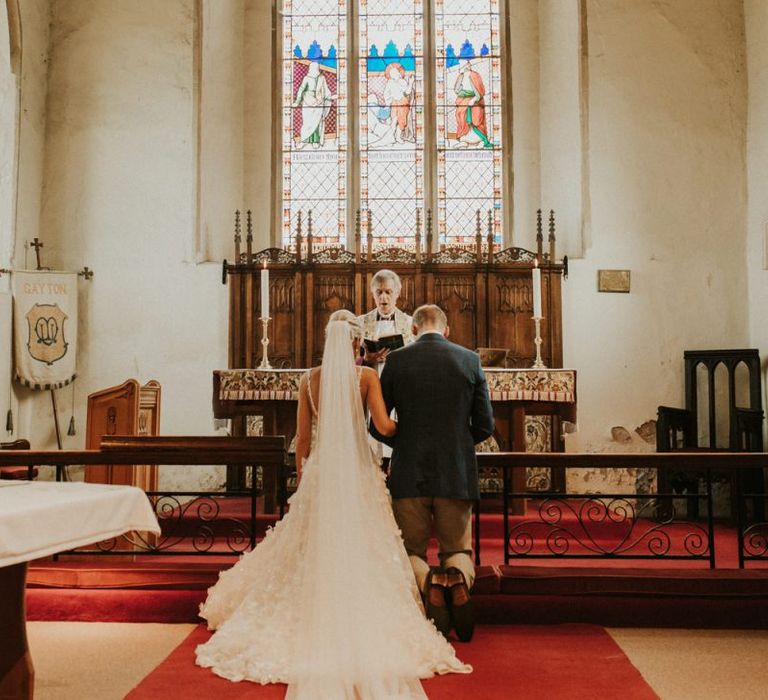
443	409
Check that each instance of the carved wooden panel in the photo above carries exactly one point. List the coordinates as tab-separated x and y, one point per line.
510	298
332	291
456	294
488	305
282	311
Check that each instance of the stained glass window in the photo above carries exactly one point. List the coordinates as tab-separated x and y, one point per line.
391	111
314	117
397	164
468	87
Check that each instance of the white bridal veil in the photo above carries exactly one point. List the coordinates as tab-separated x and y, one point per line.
350	647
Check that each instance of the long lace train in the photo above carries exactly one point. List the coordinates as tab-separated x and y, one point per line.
327	601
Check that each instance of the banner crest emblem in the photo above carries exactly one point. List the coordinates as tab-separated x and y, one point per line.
46	341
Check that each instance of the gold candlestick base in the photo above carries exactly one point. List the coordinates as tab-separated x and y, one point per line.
538	364
265	344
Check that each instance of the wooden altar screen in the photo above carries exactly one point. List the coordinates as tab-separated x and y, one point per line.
488	301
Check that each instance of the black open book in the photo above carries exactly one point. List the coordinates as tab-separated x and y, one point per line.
390	342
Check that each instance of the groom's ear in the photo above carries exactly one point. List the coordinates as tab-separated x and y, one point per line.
446	331
414	330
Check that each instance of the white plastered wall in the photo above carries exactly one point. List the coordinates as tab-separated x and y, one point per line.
667	106
118	196
756	20
8	134
26	182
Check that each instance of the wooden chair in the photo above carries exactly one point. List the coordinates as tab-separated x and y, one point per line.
677	428
29	473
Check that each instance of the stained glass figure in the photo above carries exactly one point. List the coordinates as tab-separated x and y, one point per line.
391	110
469	122
314	121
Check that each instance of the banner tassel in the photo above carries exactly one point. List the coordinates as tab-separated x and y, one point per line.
9	421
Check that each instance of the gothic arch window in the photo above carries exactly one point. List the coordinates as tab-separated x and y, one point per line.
393	108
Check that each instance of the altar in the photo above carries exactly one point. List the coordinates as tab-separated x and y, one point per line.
516	394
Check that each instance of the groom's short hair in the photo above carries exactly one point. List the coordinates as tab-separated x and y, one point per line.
430	315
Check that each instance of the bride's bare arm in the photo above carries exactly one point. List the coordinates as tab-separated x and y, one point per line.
303	425
375	400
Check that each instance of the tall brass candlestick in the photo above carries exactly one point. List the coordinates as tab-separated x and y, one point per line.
264	364
538	363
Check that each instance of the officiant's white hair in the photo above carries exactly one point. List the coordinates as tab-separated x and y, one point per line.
383	276
355	327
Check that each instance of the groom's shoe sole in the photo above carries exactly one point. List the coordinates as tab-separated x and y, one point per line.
461	606
435	601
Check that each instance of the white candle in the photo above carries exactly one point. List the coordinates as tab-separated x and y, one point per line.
536	290
265	291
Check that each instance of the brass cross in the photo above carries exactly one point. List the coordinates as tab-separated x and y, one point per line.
37	244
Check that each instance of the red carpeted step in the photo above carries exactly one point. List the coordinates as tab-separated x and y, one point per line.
540	580
579	662
178	606
86	605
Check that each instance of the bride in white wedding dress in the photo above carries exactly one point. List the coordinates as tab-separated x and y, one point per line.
327	602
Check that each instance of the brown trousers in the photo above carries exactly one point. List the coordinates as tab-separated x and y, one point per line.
451	520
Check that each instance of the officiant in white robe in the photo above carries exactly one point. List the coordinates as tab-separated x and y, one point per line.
385	320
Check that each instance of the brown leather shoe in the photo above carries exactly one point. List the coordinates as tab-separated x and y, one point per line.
460	605
435	602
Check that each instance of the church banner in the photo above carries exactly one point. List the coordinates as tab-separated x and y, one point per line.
45	328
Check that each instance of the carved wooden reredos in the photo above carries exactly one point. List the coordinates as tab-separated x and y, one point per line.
486	293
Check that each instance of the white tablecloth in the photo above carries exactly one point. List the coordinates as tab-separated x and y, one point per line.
39	518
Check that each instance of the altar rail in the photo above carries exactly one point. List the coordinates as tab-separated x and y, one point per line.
608	526
627	526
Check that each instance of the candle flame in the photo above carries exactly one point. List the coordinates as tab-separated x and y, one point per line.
535	262
264	264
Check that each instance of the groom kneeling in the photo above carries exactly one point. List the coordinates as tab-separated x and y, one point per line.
441	397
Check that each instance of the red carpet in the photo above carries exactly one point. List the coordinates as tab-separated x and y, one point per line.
579	662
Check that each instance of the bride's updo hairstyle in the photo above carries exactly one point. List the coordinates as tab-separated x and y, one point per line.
355	327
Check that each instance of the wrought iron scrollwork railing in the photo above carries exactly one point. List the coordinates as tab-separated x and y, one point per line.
630	526
604	526
196	526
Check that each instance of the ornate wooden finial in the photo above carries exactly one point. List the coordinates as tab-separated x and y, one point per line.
429	235
552	235
248	237
539	235
238	237
490	234
309	236
418	235
369	237
357	236
479	236
298	236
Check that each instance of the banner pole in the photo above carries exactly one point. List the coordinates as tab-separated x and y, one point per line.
56	418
